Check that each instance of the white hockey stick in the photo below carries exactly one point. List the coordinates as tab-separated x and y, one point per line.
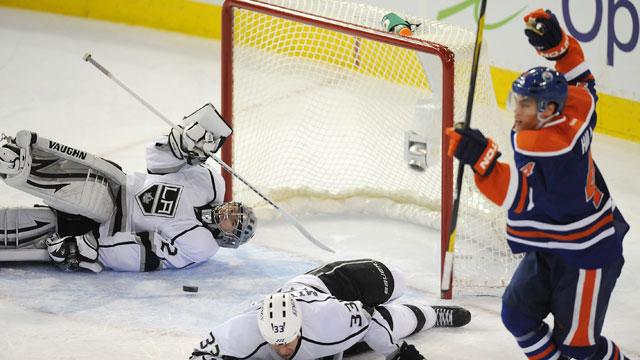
87	57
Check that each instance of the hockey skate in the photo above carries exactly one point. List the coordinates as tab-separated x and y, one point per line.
11	156
451	316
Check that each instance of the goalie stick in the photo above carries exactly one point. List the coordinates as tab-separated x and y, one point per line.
293	221
446	281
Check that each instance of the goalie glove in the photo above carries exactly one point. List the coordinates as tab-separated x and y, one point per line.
203	133
545	34
471	147
71	253
186	143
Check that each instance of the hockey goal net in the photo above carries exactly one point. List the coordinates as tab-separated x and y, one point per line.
326	105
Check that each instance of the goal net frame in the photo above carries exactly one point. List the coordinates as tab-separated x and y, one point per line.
443	53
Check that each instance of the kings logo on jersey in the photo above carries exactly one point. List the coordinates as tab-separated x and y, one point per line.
159	200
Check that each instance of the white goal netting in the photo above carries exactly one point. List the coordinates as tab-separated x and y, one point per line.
321	119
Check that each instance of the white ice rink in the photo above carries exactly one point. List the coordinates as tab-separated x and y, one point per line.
46	314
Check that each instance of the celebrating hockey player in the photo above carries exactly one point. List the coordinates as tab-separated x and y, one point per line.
319	315
560	213
97	217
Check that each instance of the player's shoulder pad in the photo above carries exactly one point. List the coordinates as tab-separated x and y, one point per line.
580	103
559	136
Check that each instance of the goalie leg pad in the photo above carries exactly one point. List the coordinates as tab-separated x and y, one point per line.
26	228
68	185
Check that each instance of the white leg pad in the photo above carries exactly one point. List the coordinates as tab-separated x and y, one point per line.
67	179
26	228
24	255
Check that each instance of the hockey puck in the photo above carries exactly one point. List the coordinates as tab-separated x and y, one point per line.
188	288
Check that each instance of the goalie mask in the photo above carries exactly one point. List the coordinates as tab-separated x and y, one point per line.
232	223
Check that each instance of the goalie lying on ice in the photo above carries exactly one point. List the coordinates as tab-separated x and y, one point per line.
96	216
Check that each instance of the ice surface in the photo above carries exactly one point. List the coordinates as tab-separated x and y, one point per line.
45	86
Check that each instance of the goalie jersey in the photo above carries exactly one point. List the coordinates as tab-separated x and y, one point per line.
157	228
329	327
556	197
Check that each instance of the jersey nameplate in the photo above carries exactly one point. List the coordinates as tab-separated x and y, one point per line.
159	200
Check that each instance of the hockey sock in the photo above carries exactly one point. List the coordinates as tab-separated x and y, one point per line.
608	350
538	344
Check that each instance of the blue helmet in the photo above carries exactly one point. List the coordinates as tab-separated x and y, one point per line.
544	84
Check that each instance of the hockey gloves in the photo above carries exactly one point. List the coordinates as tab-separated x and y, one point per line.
203	133
71	253
545	34
407	352
471	147
188	142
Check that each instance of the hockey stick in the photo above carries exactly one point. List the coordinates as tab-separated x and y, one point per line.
88	58
447	267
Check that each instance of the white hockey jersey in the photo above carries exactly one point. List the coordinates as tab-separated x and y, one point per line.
329	327
157	228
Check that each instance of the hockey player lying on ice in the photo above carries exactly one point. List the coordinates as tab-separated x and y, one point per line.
98	217
340	306
560	213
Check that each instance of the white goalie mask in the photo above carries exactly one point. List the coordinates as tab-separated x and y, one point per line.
279	319
232	223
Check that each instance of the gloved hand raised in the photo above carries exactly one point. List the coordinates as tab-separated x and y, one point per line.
545	34
203	132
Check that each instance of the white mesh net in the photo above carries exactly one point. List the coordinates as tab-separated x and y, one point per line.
320	121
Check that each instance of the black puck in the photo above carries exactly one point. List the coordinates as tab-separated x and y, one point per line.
188	288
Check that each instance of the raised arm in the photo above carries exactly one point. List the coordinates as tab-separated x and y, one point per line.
553	43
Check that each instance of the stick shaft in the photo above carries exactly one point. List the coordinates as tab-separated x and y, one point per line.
108	74
285	214
446	281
